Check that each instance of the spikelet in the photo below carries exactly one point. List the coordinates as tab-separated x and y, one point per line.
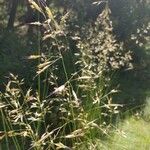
35	6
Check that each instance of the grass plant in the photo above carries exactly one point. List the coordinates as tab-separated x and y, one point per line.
71	108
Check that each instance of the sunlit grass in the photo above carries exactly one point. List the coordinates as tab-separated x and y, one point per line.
70	116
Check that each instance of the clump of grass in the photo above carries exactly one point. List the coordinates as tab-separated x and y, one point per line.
60	122
60	115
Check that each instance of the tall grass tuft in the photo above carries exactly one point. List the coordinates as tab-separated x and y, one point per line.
71	106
